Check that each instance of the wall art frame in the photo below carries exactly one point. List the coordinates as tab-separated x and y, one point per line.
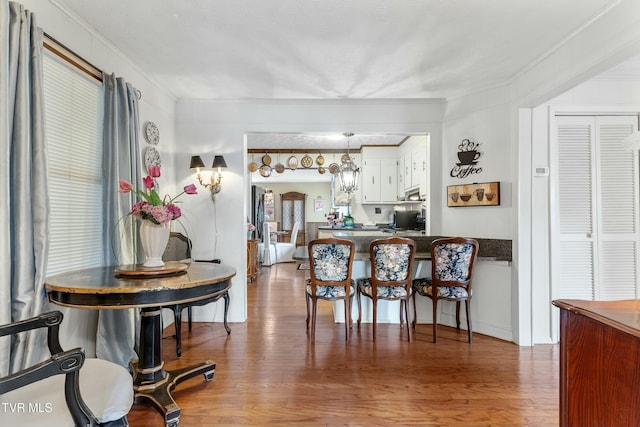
476	194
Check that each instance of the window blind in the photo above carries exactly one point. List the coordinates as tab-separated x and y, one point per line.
73	124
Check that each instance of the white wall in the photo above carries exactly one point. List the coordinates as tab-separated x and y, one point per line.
610	39
219	127
485	117
593	97
517	133
156	105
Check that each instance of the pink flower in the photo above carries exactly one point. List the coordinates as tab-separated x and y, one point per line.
154	171
125	186
148	182
190	189
152	207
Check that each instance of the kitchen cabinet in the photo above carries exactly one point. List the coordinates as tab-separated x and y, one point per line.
379	175
412	164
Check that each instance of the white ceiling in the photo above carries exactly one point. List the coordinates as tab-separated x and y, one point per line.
319	141
334	49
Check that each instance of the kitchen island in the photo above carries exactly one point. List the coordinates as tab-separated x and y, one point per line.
490	249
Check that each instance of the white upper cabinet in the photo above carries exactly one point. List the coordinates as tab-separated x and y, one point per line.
413	164
379	174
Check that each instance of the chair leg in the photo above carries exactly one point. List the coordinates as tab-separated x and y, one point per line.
435	317
226	311
347	316
406	313
189	317
375	316
458	315
177	322
415	316
358	297
314	306
467	304
308	315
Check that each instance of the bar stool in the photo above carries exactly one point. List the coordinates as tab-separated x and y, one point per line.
331	263
391	268
451	273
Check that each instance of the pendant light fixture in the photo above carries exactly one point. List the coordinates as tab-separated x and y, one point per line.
348	172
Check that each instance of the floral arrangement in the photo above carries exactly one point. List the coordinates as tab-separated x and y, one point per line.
151	207
250	227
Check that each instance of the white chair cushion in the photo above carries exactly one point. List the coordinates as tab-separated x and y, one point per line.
106	388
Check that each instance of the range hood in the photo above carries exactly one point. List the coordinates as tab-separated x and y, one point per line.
413	195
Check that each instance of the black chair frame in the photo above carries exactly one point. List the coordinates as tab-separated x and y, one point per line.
61	362
177	308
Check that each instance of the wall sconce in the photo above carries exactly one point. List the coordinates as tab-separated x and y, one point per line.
214	184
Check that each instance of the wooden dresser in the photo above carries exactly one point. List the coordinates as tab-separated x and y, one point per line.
599	363
252	259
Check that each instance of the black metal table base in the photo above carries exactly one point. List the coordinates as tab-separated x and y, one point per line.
159	393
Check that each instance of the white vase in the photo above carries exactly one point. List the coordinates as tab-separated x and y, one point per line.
154	239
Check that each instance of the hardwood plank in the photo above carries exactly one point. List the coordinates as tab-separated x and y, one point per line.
269	374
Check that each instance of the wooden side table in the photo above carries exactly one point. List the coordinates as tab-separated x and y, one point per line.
252	260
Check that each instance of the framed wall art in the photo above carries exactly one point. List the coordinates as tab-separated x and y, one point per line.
476	194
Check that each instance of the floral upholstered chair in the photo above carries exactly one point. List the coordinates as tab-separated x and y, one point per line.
331	262
391	270
451	272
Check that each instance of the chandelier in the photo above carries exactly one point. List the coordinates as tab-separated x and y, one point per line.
348	172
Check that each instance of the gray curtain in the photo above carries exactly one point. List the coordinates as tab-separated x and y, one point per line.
116	336
24	208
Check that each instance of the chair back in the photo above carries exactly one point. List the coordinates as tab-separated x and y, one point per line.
452	261
266	234
392	262
178	248
273	226
294	232
331	262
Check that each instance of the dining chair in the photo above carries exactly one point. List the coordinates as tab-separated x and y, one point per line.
267	247
285	250
179	249
451	273
331	265
273	228
66	389
390	279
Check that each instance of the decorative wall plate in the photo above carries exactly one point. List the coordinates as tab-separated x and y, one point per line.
253	167
344	158
279	168
265	171
306	161
152	158
293	163
152	133
320	160
266	160
333	168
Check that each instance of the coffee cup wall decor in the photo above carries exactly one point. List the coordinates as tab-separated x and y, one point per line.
476	194
468	156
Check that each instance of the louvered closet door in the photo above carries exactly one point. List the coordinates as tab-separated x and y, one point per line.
597	209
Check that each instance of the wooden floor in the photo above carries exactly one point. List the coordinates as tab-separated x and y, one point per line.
269	374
